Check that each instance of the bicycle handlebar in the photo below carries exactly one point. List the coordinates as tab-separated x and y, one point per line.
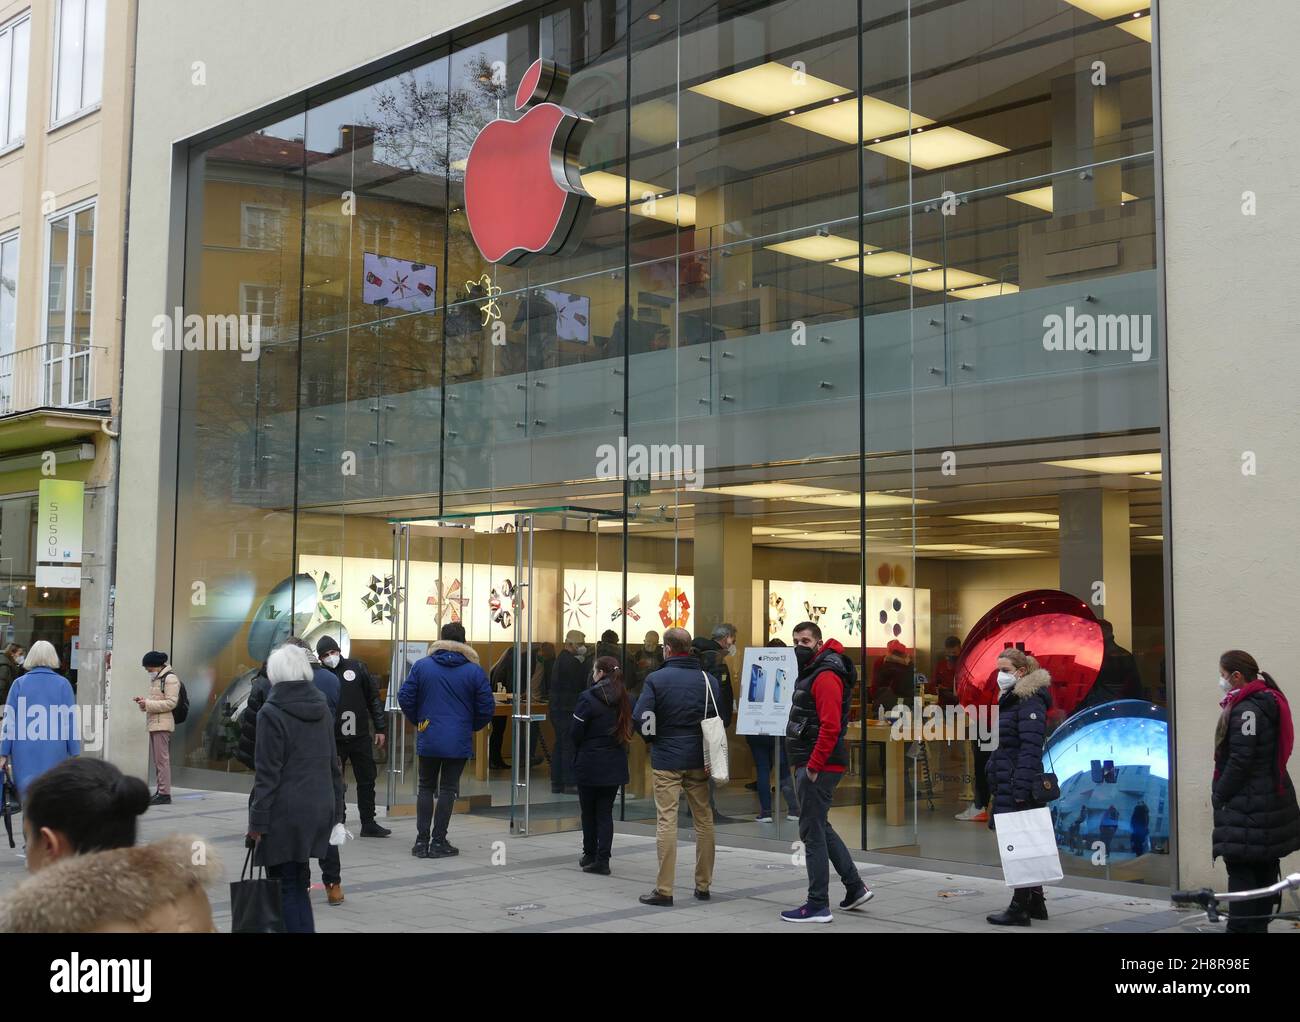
1206	897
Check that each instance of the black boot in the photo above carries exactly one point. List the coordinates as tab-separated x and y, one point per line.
586	860
420	849
1016	914
598	866
371	829
1037	904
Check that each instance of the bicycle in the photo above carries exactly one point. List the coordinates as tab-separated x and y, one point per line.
1210	900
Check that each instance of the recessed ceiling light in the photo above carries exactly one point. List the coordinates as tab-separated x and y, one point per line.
985	290
654	15
841	122
1042	198
1011	517
671	209
820	248
884	264
1115	464
939	278
611	189
768	88
943	147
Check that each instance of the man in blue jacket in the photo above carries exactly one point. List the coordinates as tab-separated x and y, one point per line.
668	714
447	697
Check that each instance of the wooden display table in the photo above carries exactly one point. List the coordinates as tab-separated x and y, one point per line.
505	710
895	760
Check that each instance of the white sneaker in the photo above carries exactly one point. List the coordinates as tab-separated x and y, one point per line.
761	818
969	813
792	817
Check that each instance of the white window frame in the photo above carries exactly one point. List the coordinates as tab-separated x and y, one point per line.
7	359
7	37
56	63
70	272
261	207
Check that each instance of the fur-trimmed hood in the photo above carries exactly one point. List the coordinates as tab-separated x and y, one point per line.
454	647
155	888
1037	682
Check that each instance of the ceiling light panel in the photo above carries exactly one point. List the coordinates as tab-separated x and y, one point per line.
769	89
840	120
942	147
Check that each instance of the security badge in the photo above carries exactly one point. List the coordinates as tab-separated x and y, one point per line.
349	675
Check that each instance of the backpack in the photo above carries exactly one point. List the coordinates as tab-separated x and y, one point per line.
182	708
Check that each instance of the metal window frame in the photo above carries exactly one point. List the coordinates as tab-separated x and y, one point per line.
69	213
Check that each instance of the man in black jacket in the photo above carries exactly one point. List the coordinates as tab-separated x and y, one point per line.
568	680
712	653
667	715
359	707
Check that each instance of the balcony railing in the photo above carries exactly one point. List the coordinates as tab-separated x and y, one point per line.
56	375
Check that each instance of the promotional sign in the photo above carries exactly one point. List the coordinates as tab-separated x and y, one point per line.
399	283
891	612
766	680
58	533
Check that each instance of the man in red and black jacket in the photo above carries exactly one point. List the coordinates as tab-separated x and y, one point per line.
819	717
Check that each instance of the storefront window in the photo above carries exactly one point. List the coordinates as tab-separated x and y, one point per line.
871	288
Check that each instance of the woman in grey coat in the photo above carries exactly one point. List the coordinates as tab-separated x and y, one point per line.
298	786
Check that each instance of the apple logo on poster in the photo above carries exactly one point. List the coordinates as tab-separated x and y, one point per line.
523	191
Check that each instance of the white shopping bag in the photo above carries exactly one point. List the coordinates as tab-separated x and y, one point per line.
1027	844
716	764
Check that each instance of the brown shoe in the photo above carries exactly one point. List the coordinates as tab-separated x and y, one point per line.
335	893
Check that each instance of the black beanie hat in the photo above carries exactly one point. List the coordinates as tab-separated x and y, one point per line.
154	659
325	644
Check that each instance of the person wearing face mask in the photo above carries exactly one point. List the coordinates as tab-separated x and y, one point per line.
359	709
819	718
568	679
1015	766
1256	819
164	694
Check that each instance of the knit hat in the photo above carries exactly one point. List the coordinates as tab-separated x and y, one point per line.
326	645
154	659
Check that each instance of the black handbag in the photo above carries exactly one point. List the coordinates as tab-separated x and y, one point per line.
1047	788
255	903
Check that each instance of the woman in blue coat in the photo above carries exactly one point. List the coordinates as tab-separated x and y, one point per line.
1016	765
601	730
40	722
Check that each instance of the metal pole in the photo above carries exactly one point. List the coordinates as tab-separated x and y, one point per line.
528	697
515	770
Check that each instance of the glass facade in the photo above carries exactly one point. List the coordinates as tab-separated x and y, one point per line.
869	286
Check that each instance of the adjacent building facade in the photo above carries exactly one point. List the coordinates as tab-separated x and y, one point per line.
65	114
903	308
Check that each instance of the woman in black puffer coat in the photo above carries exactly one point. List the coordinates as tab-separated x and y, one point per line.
1256	818
602	729
1017	763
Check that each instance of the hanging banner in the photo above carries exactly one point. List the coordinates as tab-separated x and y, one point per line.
767	678
58	533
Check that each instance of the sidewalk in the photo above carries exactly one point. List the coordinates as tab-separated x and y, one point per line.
535	885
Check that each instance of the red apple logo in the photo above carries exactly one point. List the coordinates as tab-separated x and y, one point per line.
523	191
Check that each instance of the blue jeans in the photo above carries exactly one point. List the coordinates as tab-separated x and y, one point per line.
761	747
294	877
822	847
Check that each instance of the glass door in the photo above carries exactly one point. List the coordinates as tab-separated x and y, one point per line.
530	587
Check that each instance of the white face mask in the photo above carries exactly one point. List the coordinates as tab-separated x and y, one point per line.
1005	680
331	660
1225	684
582	652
